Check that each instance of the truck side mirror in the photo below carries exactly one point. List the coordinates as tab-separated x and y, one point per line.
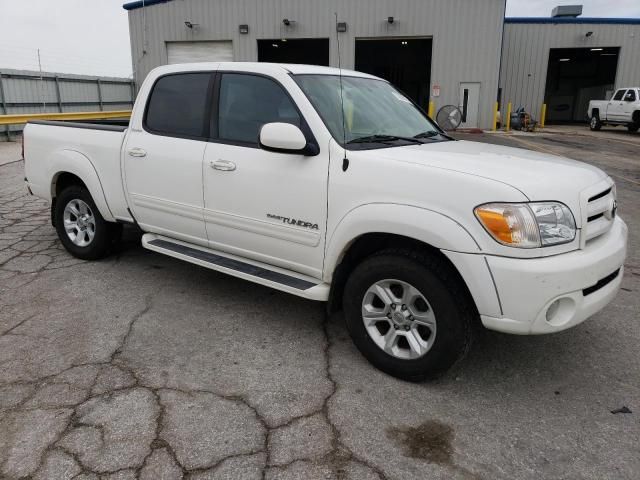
285	138
629	97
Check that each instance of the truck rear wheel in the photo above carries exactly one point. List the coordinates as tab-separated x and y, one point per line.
595	123
80	226
408	314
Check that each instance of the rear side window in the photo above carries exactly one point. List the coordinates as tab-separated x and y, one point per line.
178	105
619	94
630	96
247	102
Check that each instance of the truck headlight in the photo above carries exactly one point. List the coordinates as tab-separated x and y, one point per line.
528	225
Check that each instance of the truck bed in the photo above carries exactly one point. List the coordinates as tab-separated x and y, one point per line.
96	146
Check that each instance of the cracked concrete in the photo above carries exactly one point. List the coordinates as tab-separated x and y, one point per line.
141	366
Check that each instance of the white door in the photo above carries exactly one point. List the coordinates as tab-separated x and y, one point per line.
192	52
163	160
629	105
267	206
615	108
469	104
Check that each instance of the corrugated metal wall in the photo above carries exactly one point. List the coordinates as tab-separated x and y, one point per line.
525	56
466	33
22	91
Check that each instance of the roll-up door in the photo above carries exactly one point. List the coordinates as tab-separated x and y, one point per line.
189	52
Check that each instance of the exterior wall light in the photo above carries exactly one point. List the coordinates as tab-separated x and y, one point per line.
390	20
243	29
341	27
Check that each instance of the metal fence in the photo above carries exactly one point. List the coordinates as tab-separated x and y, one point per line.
24	92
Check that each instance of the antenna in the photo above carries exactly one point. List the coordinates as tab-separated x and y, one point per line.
345	161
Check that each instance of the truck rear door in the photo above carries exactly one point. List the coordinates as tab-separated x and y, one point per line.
629	105
163	157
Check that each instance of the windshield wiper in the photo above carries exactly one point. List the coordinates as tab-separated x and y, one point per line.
429	134
433	133
383	139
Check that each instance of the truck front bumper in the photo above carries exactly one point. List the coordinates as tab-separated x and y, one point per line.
545	295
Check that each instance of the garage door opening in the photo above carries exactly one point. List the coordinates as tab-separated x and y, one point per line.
575	76
405	62
310	51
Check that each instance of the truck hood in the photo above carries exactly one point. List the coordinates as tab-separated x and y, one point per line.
538	176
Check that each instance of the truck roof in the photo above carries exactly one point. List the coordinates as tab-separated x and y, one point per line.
260	67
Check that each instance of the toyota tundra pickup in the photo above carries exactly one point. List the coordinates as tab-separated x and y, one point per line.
334	186
622	109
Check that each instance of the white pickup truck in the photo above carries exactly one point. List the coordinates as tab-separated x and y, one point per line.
622	109
338	188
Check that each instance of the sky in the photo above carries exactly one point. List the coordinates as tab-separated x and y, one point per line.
92	36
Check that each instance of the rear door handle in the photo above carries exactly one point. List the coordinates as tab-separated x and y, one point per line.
137	152
223	165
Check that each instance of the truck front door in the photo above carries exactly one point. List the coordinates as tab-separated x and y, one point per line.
615	109
163	157
268	206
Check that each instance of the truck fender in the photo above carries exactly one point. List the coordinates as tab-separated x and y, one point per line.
428	226
70	161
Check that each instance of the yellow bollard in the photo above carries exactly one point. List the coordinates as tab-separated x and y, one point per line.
543	115
432	109
495	117
507	123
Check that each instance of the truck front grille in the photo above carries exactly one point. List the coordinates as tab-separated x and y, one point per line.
601	211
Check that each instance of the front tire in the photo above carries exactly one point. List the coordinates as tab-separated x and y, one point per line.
595	123
633	128
409	314
83	231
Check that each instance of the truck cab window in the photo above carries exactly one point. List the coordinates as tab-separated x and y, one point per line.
630	96
619	94
177	105
247	102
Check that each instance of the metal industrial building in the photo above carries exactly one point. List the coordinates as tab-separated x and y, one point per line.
457	52
565	62
450	48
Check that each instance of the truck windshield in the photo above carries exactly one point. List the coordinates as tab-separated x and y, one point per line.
376	115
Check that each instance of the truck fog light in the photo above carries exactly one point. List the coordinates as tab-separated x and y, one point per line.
561	311
552	310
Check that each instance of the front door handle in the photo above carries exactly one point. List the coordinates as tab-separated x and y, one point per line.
223	165
137	152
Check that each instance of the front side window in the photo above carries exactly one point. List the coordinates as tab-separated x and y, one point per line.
375	114
177	105
247	102
619	95
630	96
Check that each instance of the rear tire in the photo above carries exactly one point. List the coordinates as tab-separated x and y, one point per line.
83	231
595	123
426	304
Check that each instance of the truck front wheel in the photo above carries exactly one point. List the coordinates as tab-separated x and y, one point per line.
408	313
80	226
634	127
595	123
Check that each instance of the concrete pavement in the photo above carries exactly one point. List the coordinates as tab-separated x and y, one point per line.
142	366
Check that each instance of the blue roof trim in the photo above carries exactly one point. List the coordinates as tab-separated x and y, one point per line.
140	4
584	20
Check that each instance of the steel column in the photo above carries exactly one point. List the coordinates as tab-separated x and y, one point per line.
58	94
99	95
